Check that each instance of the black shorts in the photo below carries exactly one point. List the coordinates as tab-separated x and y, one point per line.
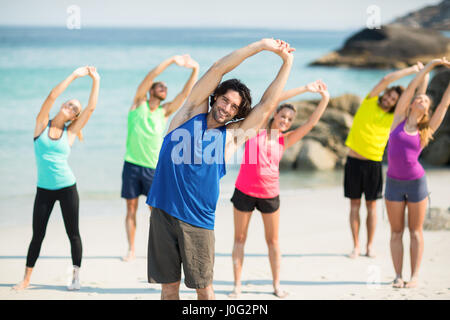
136	180
244	202
363	176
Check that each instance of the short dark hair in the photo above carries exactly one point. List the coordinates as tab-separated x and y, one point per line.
155	84
236	85
398	89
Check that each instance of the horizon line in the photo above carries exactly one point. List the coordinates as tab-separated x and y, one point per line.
179	27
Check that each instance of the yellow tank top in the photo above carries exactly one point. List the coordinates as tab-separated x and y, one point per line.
370	130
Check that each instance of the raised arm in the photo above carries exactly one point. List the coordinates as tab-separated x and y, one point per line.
78	124
206	85
441	110
262	111
239	132
43	115
197	101
392	77
145	85
287	94
408	94
173	106
422	89
295	135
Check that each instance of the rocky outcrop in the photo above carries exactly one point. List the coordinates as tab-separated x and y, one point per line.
323	148
435	17
437	219
313	155
438	150
392	46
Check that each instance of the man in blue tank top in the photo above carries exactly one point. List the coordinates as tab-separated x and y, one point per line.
192	161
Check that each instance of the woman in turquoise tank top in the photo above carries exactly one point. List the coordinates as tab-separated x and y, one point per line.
56	182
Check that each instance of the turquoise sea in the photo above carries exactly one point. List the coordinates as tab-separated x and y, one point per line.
34	60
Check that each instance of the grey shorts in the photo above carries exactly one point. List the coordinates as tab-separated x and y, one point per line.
172	243
406	190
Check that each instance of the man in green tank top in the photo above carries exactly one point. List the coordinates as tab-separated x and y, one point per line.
146	125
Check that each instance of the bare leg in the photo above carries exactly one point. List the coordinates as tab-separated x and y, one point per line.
130	226
206	293
416	217
371	224
355	204
26	280
241	223
396	214
170	291
271	230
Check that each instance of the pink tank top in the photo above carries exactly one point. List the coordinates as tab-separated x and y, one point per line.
259	173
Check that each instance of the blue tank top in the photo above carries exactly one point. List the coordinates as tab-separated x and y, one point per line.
53	170
190	165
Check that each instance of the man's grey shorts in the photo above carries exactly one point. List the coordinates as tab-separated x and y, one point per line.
406	190
172	243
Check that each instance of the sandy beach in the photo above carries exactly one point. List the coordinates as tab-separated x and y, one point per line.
314	237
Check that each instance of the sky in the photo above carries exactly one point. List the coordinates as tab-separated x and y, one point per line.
278	14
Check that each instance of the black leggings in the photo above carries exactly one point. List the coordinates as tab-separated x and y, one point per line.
43	205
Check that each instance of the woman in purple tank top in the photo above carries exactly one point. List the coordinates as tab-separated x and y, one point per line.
406	186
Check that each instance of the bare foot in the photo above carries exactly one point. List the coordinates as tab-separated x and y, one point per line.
236	292
370	253
354	254
398	283
412	283
129	257
21	285
280	293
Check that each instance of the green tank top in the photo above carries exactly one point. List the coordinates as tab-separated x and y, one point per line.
145	135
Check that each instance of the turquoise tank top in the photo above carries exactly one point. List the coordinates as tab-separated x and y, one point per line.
53	170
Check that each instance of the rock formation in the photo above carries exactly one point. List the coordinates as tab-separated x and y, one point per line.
414	37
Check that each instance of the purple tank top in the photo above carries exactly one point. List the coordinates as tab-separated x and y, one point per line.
403	155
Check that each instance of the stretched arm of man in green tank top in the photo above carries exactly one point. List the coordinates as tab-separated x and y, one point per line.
408	94
392	77
239	132
79	123
197	101
145	85
43	115
294	136
441	110
175	104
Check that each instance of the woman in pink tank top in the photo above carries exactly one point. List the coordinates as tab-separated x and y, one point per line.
257	185
411	131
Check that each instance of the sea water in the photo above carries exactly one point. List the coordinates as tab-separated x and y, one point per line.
34	59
